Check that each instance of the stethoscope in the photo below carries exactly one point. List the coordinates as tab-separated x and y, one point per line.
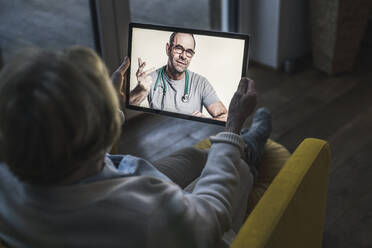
186	97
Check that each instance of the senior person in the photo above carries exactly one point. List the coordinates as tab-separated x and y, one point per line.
60	188
173	87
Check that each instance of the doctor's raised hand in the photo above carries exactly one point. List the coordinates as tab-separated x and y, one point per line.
241	106
143	78
139	93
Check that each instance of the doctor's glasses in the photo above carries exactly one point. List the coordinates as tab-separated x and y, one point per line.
180	49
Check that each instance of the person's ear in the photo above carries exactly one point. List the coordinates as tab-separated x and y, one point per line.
167	49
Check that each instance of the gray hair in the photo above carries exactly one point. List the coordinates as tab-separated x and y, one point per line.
173	35
58	114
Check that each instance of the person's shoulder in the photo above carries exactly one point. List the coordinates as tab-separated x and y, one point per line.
158	69
156	72
154	77
197	77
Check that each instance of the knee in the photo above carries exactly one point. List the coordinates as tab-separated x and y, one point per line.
197	154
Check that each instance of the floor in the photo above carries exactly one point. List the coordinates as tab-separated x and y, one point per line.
304	104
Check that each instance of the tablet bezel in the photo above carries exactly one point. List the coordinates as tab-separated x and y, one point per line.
132	25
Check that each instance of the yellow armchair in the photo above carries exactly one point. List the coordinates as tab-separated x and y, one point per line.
292	210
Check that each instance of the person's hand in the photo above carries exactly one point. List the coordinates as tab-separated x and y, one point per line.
143	78
241	106
198	114
118	78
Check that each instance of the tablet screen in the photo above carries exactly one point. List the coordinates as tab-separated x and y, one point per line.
185	73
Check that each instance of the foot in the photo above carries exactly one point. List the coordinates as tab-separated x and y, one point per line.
256	136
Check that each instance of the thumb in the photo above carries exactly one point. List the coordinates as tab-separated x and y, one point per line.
251	86
125	65
242	87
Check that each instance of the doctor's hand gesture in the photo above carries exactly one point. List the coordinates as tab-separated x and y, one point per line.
241	106
143	78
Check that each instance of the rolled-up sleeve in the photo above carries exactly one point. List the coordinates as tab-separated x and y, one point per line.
209	95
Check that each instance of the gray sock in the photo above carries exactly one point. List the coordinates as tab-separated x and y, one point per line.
255	138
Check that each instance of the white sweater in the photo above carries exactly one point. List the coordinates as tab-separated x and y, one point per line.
132	206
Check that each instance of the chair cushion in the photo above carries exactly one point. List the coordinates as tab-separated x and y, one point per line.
275	156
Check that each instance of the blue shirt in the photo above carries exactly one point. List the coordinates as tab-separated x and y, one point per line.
124	166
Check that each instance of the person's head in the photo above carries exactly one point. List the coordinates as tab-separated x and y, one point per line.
180	50
58	114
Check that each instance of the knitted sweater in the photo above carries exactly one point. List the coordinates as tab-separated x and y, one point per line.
133	205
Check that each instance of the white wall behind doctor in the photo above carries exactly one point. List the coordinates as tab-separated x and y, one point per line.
218	59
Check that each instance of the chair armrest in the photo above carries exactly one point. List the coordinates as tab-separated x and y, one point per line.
292	210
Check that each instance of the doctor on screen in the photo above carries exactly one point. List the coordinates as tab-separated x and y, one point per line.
173	87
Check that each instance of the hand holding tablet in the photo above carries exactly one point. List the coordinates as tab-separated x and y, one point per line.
118	79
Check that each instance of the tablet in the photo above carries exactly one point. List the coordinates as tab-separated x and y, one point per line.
184	73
